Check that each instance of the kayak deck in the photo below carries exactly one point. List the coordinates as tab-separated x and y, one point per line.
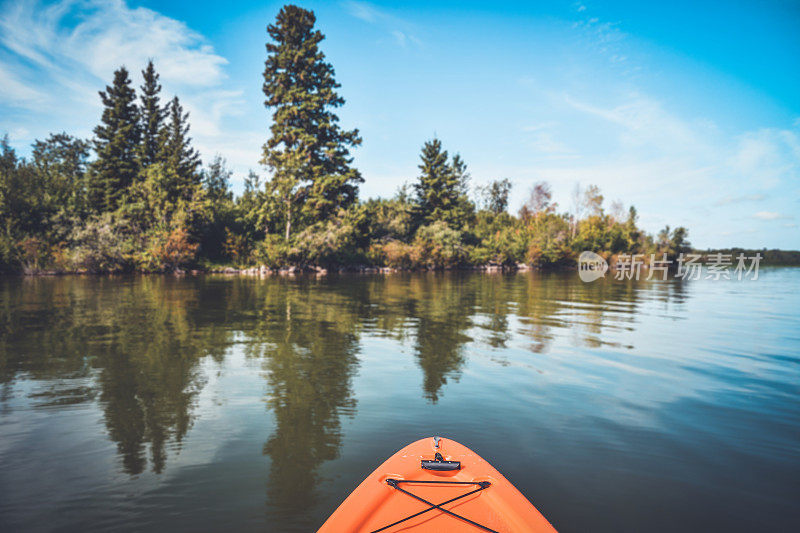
436	485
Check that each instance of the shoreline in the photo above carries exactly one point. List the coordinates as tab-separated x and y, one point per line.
317	271
263	271
782	258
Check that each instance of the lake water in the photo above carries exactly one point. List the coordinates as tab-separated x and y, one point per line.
225	404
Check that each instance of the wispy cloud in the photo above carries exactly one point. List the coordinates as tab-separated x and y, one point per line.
603	37
540	126
101	35
544	143
401	31
59	55
644	121
17	90
404	39
771	215
637	147
363	10
730	199
771	154
642	128
739	232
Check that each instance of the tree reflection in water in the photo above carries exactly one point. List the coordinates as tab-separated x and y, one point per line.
136	346
308	336
133	336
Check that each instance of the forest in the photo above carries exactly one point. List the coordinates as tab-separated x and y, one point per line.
136	197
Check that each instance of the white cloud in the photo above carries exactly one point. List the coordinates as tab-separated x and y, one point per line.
637	149
400	37
645	134
644	122
771	154
541	126
546	144
738	232
603	37
730	199
675	169
363	11
109	34
18	91
18	132
770	215
400	30
62	54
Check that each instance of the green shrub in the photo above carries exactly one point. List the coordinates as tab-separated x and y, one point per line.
33	254
174	250
393	254
437	245
325	244
105	244
9	254
236	247
480	255
273	251
548	240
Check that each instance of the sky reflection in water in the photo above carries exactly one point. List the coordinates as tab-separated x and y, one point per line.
229	403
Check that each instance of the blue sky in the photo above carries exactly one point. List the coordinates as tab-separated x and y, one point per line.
688	110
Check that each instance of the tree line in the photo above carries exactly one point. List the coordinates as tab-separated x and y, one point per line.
136	197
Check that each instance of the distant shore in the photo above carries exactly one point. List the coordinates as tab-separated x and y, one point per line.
290	270
769	258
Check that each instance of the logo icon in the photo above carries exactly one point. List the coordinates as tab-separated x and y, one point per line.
591	266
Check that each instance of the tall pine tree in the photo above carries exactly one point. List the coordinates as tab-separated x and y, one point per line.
152	115
308	152
116	144
442	186
180	160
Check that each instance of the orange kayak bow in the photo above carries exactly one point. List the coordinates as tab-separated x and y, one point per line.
436	485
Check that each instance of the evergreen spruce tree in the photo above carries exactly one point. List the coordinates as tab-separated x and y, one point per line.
116	144
217	180
8	156
152	115
442	186
61	162
307	151
8	189
180	160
